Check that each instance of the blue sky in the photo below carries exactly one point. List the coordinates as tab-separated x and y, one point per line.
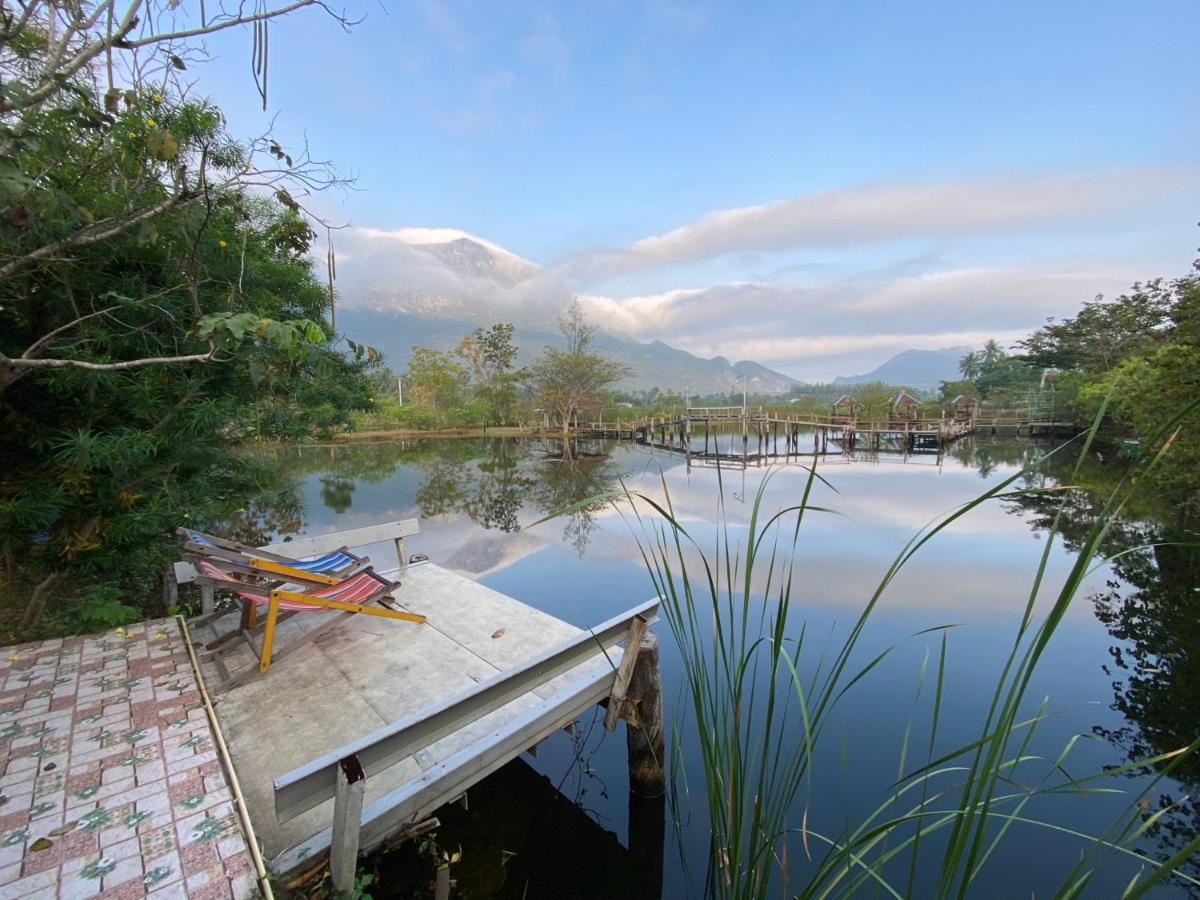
908	174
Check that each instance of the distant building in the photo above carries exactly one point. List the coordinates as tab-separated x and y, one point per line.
846	407
964	408
905	407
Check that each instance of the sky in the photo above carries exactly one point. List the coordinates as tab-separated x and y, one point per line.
815	186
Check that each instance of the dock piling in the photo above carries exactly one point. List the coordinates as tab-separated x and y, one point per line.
644	739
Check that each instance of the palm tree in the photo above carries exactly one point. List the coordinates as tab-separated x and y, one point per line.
969	365
992	353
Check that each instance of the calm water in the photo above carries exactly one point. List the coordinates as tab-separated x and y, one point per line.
1125	681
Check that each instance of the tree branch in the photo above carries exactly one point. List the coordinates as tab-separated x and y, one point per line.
7	362
101	231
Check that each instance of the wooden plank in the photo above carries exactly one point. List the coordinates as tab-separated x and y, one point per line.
310	785
310	545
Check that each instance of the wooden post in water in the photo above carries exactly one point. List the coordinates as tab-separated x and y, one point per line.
645	742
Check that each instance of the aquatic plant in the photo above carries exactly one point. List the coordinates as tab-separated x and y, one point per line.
758	722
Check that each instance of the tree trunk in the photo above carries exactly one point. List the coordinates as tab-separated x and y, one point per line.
170	589
37	600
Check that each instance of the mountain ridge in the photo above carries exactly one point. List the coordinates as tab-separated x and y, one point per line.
922	369
426	292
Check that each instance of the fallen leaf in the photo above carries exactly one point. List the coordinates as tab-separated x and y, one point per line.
41	844
499	632
49	767
63	829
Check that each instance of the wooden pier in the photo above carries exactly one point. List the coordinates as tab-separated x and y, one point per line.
735	435
362	733
753	436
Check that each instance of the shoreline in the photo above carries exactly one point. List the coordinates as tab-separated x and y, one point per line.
351	437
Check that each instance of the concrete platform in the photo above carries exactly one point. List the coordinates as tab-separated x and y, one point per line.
367	673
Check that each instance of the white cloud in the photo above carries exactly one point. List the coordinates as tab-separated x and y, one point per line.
894	210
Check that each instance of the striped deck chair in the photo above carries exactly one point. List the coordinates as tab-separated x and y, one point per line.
336	564
348	596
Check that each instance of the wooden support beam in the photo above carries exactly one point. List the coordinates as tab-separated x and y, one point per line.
347	822
616	700
644	738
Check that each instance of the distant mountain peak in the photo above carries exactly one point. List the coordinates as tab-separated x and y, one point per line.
921	369
470	258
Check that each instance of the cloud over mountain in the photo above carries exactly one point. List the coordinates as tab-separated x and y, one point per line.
893	210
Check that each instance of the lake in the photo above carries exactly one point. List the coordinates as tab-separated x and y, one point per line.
1120	673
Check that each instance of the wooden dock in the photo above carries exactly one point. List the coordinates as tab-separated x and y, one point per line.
365	731
733	435
754	436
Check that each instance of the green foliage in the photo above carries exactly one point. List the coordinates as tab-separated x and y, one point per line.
436	381
1141	352
101	609
155	313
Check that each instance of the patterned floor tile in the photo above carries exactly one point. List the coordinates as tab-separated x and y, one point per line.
110	784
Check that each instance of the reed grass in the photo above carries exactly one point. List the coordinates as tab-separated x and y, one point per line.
758	723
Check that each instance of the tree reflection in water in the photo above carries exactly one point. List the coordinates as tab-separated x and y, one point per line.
494	481
1151	607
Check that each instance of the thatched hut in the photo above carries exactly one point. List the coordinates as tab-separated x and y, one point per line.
905	408
964	408
845	408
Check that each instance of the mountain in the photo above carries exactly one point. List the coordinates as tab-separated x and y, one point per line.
654	364
921	369
430	287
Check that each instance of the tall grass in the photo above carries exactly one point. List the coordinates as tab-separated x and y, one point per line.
758	722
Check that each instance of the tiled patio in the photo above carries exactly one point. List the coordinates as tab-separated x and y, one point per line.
111	782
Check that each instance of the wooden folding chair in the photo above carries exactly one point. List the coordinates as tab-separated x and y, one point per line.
340	563
348	596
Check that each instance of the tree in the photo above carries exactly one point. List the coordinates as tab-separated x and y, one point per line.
1140	353
968	366
435	380
876	400
98	142
992	353
568	381
491	355
157	301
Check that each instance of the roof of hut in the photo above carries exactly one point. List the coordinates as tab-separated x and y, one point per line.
964	400
904	398
845	400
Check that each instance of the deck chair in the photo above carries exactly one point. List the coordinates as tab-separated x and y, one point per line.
323	569
349	596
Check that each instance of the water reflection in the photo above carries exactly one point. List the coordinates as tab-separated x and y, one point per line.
1151	608
494	482
1136	648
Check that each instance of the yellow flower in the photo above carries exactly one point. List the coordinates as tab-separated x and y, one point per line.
120	630
158	98
151	123
222	243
